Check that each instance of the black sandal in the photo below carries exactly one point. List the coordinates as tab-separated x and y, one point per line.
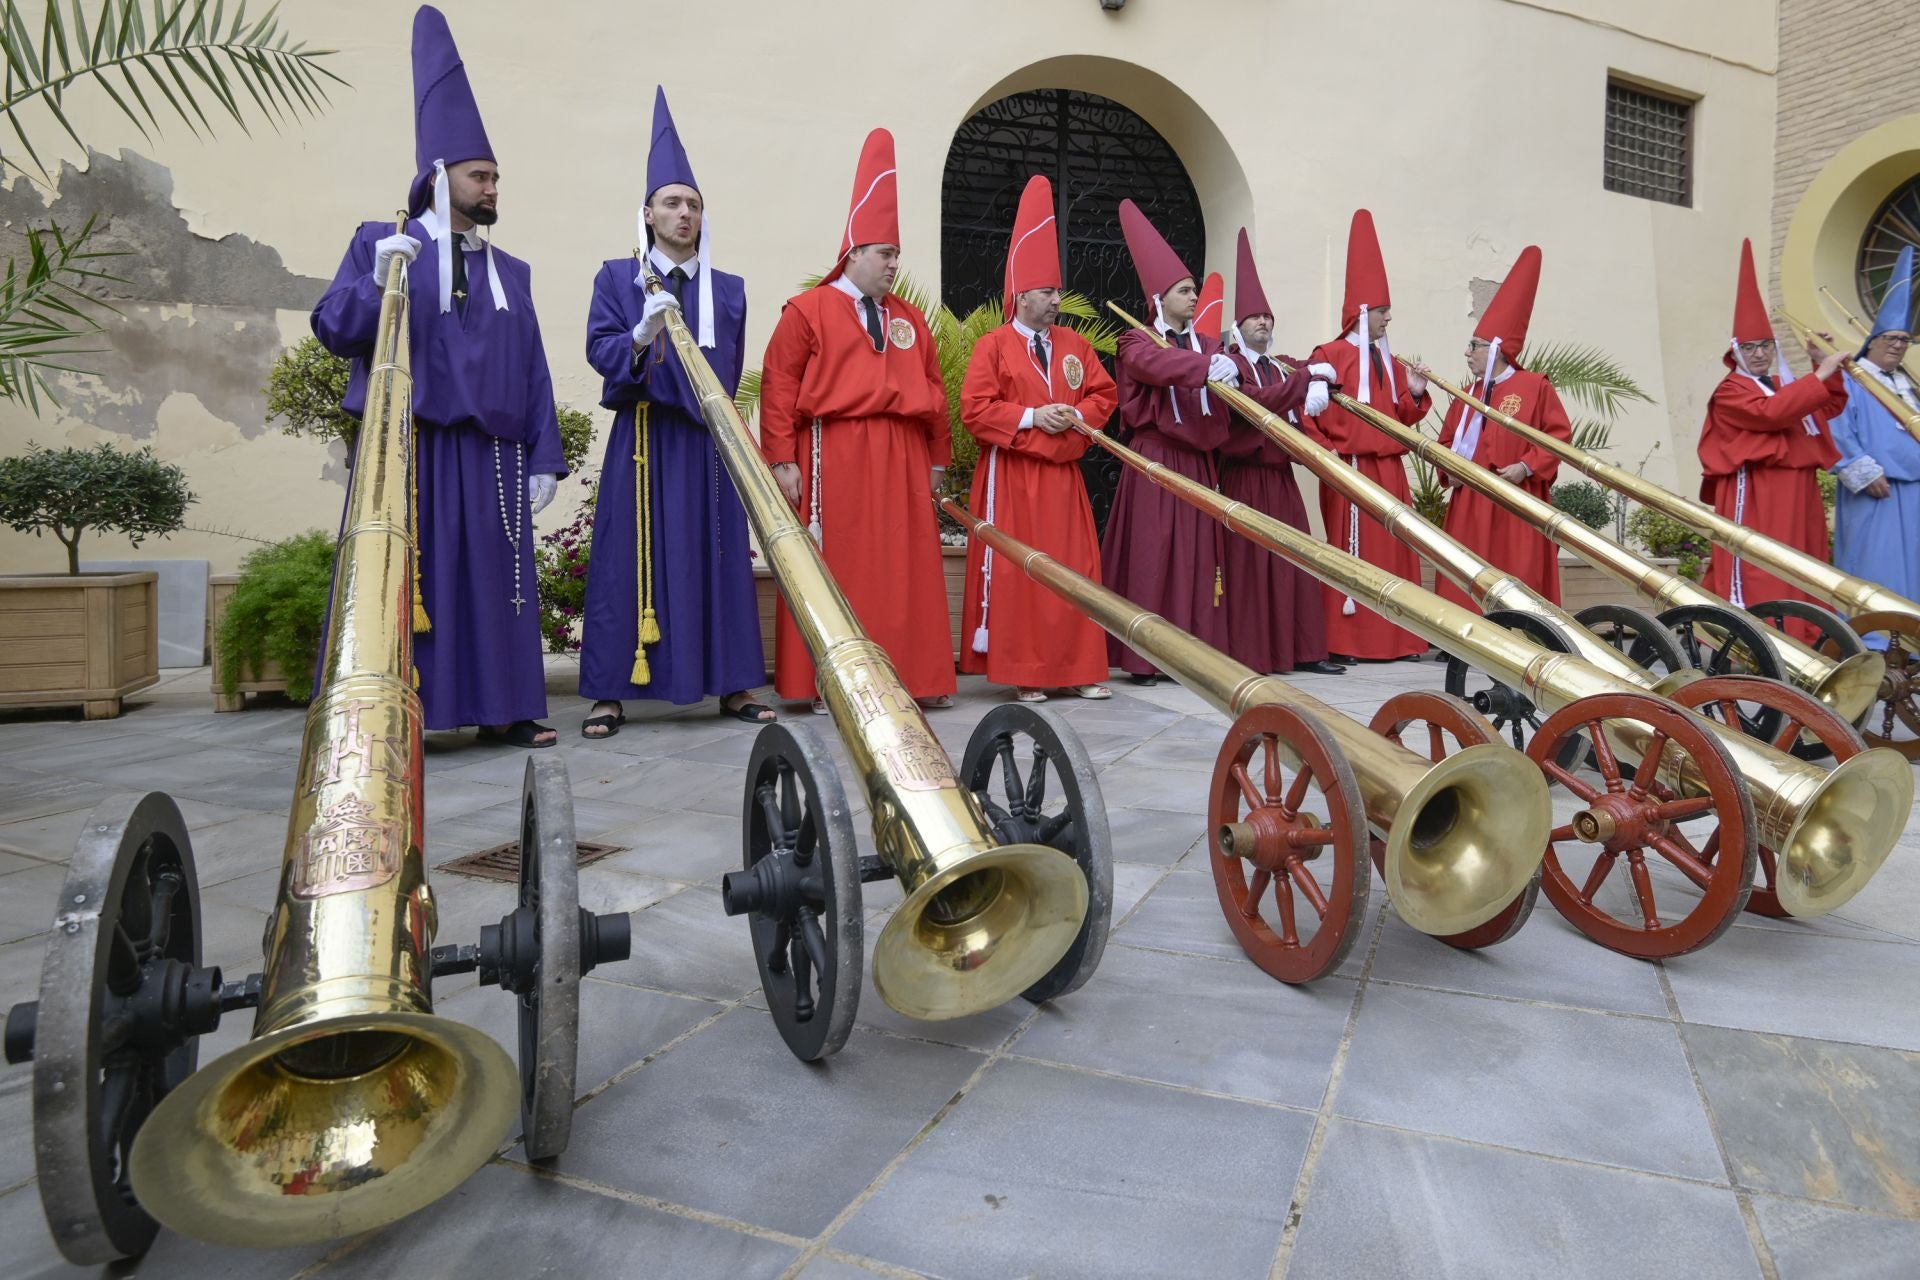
611	723
521	733
748	712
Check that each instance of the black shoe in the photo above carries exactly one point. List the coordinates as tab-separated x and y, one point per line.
1144	680
1341	660
1323	668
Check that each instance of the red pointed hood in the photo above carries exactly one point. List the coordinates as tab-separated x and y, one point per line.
1033	254
1210	316
873	215
1366	272
1507	316
1750	320
1249	299
1159	267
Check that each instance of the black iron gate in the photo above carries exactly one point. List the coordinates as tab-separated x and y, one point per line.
1097	153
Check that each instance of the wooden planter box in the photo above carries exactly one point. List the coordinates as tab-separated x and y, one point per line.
89	639
953	561
268	680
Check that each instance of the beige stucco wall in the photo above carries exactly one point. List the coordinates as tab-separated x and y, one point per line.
1260	97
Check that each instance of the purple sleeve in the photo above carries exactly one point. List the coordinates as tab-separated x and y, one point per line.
543	421
348	314
610	342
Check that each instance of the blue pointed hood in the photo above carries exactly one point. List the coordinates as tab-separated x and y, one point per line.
1896	307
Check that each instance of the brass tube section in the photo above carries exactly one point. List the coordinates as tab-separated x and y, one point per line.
352	1105
1859	328
1848	686
1903	414
1790	564
1463	836
981	922
1487	583
1825	827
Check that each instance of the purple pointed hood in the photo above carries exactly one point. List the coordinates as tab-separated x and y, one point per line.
446	120
666	157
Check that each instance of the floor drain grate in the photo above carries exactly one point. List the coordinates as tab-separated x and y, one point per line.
502	861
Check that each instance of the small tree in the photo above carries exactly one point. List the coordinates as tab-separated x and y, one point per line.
70	491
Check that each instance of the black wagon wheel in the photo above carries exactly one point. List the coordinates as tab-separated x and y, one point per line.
1832	637
1510	711
1724	642
106	1046
1056	802
800	889
1637	634
550	1007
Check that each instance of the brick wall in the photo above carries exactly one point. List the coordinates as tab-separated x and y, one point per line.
1839	77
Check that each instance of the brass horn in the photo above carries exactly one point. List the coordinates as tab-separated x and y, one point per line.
1463	837
1902	412
1830	831
1858	328
1848	685
982	922
1811	574
353	1105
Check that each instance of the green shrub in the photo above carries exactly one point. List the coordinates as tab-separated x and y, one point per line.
1662	535
69	491
276	612
1585	501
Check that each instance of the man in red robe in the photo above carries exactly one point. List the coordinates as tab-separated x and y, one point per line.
1762	445
1026	382
1495	378
853	421
1160	551
1363	366
1275	617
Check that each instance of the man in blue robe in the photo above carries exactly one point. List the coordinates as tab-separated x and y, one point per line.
487	443
1876	518
671	614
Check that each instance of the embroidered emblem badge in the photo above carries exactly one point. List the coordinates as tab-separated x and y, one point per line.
1076	374
901	333
1510	405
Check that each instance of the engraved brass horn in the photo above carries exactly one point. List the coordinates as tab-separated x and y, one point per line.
982	921
353	1105
1463	836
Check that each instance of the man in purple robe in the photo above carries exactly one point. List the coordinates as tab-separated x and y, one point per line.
1160	551
670	605
487	442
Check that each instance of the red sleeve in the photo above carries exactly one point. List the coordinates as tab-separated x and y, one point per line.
1749	408
792	347
1450	424
940	422
1836	395
1552	419
1285	395
1099	397
984	410
1153	365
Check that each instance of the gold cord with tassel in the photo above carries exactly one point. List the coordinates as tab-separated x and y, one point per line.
643	509
421	623
1219	586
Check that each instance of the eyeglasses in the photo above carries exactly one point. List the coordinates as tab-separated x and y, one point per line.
1896	339
1754	348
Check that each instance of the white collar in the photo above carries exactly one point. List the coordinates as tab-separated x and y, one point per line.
1353	336
852	290
1031	334
1500	377
665	265
436	226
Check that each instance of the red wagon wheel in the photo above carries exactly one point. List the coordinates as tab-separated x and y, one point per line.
1271	826
1894	720
1643	822
1718	698
1444	715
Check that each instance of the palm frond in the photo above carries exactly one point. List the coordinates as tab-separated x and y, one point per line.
1593	378
184	51
747	398
47	312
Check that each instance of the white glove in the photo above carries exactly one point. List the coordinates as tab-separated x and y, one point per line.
1221	368
1316	399
654	317
540	491
1321	369
384	250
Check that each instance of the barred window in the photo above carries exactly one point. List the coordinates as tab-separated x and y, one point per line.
1649	146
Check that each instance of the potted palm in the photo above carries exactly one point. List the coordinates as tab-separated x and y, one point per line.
86	638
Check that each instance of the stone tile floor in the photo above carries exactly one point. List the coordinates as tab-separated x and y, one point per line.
1542	1108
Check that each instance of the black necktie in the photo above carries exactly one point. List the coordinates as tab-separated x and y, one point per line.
1379	365
1261	363
677	281
873	323
1765	381
460	274
1040	355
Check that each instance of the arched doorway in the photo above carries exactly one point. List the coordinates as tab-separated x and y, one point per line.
1097	152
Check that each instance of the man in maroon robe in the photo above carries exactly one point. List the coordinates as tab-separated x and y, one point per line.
1275	617
1160	551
